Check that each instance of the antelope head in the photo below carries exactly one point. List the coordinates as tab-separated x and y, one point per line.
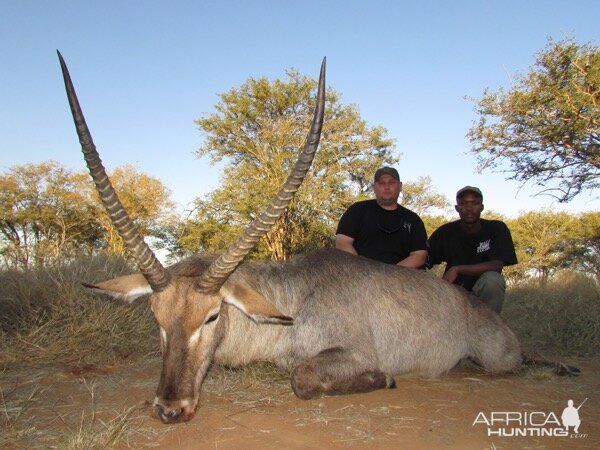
187	305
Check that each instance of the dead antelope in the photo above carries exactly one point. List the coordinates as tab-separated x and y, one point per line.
356	322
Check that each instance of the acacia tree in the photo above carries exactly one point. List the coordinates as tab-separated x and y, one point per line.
258	130
146	200
45	213
541	240
547	126
421	197
583	248
48	213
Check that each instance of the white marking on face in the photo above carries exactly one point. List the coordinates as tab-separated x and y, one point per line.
142	290
195	337
137	292
163	335
235	302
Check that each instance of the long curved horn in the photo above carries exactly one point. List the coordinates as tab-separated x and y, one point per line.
151	268
221	268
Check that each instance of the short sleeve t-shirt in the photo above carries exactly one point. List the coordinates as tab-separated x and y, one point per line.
450	244
383	235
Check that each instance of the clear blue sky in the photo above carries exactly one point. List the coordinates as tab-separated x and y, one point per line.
145	70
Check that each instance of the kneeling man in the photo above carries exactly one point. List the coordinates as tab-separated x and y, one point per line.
475	250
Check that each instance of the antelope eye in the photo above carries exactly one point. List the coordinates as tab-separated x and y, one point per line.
212	318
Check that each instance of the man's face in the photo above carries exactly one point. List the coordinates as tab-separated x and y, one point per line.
469	208
387	189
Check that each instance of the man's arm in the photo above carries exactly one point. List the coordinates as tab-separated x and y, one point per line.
415	260
417	257
434	253
473	269
345	243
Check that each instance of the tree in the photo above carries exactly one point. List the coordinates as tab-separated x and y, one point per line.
258	129
541	239
48	213
45	213
583	248
145	199
421	197
547	126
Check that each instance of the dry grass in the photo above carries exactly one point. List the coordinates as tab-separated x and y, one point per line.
49	318
361	423
13	410
559	319
50	323
33	416
245	381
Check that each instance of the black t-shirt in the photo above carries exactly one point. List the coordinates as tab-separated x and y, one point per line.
383	235
451	244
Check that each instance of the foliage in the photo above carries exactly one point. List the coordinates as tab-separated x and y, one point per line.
45	214
145	199
547	126
258	130
540	238
582	248
433	222
547	241
49	214
421	197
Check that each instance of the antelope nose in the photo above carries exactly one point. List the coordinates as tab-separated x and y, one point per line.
168	416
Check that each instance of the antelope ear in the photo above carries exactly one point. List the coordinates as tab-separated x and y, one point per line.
126	288
253	304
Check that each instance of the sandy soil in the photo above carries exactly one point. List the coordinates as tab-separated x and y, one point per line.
248	414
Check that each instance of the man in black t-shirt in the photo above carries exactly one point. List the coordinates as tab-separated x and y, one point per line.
475	250
381	229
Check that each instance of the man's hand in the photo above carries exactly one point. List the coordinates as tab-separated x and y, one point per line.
451	274
473	270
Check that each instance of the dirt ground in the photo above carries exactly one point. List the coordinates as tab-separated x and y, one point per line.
243	413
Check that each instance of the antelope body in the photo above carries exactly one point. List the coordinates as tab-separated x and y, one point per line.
357	323
344	324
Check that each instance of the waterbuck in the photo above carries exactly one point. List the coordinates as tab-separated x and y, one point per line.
344	324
